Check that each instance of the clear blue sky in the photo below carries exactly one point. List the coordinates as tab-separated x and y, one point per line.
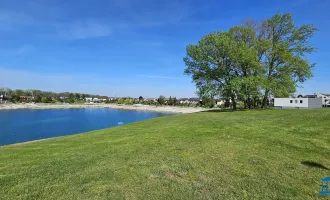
131	47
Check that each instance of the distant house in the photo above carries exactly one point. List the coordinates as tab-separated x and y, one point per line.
189	100
94	100
97	100
88	99
298	102
184	100
26	98
195	100
222	101
150	99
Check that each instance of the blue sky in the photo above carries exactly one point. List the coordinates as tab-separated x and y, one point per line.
131	47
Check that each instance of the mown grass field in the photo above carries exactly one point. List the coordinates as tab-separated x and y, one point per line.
272	154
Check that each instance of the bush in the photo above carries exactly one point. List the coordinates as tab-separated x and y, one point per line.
136	101
127	101
14	99
208	102
161	100
69	100
240	105
121	101
44	100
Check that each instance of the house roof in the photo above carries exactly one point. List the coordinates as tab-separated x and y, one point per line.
310	96
194	99
326	179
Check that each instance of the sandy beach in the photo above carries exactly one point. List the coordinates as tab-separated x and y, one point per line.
10	106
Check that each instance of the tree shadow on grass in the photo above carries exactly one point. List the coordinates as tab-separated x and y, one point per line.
223	110
231	110
314	164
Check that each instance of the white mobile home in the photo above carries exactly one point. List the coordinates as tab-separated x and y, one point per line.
298	102
325	99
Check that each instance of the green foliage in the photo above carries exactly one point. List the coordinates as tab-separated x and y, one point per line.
14	98
148	102
135	101
31	95
172	101
283	54
175	101
37	99
161	100
128	101
44	100
252	62
70	99
19	92
121	101
208	102
77	96
211	63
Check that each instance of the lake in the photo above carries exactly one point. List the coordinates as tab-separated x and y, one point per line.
27	125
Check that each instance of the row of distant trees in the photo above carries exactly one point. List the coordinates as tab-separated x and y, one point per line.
171	101
162	100
39	96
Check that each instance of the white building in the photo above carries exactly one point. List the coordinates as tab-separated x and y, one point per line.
88	99
222	101
325	99
298	102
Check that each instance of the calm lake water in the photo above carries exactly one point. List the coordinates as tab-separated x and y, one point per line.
27	125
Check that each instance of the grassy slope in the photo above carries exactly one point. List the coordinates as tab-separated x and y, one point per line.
227	155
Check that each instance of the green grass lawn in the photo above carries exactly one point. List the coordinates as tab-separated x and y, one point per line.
272	154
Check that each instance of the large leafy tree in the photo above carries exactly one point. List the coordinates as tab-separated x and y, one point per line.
161	100
140	98
77	96
224	64
246	66
70	99
249	63
282	48
210	64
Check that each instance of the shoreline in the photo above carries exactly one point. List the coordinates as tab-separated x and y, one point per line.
137	107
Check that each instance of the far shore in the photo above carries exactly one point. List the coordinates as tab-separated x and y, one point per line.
174	109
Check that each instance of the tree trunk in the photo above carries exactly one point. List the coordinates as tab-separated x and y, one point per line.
234	103
245	104
264	100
